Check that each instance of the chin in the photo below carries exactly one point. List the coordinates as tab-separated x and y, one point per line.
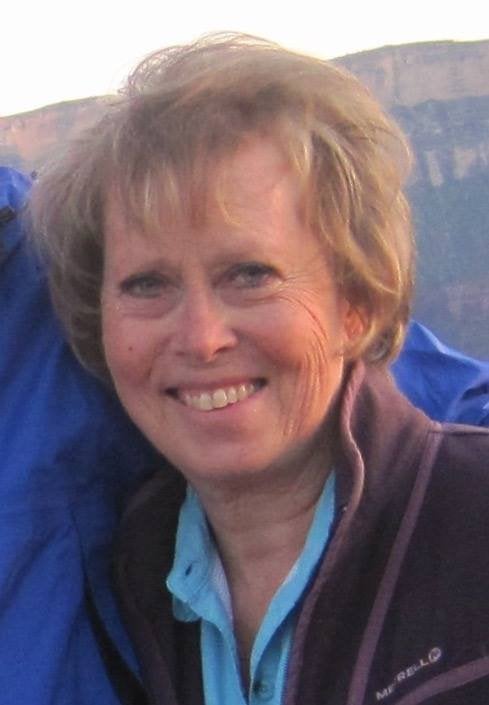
235	466
221	471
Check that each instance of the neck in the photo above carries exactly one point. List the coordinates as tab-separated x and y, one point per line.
260	526
263	519
258	517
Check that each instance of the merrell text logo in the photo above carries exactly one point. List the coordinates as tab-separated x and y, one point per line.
433	656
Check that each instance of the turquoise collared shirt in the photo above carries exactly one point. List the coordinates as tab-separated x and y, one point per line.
200	591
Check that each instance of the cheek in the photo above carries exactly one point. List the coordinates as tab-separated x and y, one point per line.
320	369
311	334
126	349
313	363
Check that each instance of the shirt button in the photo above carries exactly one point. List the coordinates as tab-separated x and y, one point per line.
263	690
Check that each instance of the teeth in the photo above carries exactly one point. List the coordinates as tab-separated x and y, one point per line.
242	392
220	398
205	402
232	395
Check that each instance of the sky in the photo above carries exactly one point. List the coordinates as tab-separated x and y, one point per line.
53	50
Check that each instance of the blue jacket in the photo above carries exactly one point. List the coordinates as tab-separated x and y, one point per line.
69	457
445	384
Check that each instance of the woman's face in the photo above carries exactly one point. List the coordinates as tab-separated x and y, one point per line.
224	342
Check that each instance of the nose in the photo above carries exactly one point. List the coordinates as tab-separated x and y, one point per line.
203	328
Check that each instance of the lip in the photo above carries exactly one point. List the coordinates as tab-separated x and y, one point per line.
200	387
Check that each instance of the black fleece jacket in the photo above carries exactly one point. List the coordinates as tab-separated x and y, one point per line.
398	612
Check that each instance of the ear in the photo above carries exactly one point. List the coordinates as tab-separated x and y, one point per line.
354	323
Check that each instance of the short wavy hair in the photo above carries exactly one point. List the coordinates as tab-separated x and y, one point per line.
184	111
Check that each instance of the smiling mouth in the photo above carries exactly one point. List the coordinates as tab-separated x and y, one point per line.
218	398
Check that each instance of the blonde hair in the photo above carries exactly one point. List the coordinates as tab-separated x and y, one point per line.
183	112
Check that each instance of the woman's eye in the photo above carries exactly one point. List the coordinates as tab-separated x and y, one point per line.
145	286
251	275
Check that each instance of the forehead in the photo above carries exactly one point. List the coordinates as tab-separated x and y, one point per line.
254	181
253	214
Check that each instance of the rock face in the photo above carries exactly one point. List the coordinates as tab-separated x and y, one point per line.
450	197
28	140
439	93
410	74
